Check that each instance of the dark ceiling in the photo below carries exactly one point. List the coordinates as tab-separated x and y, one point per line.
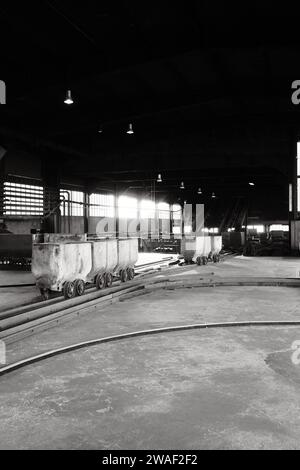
207	87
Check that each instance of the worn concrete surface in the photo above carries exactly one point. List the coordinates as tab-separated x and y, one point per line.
192	390
8	277
251	266
11	297
220	388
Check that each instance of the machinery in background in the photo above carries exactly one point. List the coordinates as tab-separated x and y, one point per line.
66	265
274	243
15	251
233	241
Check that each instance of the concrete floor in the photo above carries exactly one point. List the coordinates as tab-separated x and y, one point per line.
194	390
220	389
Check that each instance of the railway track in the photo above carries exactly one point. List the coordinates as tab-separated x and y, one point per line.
136	334
20	322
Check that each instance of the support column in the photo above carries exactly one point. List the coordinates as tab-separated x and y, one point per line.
51	181
1	186
117	220
199	220
294	235
86	211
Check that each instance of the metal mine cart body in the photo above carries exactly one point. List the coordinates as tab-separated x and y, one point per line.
128	253
200	249
57	265
68	265
216	247
104	261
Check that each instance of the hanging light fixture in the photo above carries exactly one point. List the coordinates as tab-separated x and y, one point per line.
213	195
130	129
68	99
199	191
182	185
100	130
159	178
251	183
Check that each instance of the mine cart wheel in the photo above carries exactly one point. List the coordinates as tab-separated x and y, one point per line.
79	286
69	290
108	279
100	281
45	293
123	275
199	260
130	273
204	260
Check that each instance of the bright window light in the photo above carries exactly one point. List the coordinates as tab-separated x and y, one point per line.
213	230
101	205
72	204
298	165
127	207
298	194
176	212
187	229
22	199
147	209
258	228
205	229
283	227
176	230
290	197
163	210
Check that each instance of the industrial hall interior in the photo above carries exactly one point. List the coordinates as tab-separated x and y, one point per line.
149	226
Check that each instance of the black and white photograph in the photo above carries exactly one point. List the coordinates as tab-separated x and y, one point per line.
149	229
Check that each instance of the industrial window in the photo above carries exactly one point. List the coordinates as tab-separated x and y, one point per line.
258	228
101	205
22	199
163	210
147	209
72	202
187	229
283	227
213	230
176	212
205	229
176	230
127	207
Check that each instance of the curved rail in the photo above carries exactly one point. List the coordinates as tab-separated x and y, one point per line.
169	329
